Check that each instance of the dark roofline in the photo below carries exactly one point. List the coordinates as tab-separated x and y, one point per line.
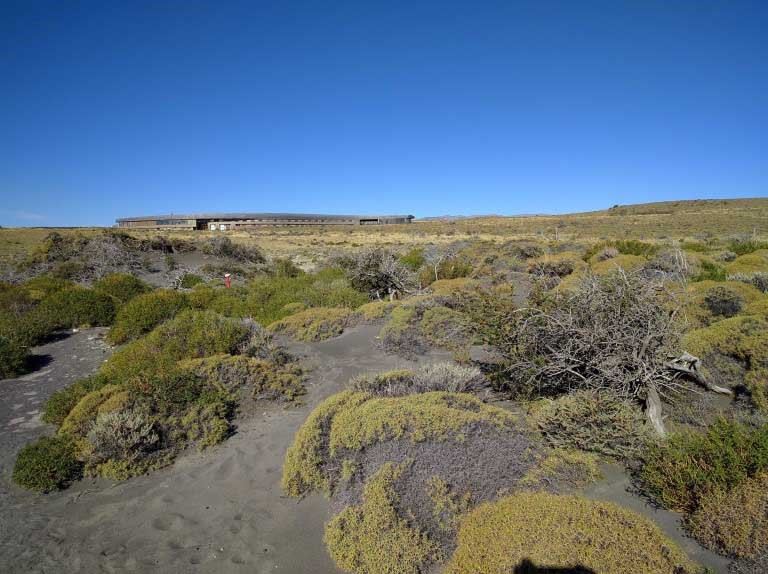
238	216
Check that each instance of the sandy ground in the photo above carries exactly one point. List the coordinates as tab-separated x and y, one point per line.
218	511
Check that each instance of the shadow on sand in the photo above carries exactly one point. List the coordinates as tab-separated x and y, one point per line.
528	567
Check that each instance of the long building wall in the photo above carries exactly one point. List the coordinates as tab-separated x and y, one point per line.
227	222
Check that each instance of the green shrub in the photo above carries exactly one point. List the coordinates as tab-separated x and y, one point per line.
60	403
43	286
69	308
689	465
593	421
372	538
230	302
414	259
46	465
747	246
144	312
625	247
121	286
268	296
191	334
710	271
315	324
734	522
283	267
540	530
190	280
446	327
13	357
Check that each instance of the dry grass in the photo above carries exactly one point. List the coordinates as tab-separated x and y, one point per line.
679	220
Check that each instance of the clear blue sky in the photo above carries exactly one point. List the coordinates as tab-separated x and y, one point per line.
124	108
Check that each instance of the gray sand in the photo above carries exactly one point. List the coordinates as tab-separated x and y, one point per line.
218	511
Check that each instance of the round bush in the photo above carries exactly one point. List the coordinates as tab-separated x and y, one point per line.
13	357
46	465
145	312
121	286
546	531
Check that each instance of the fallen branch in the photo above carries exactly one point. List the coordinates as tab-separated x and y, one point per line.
689	365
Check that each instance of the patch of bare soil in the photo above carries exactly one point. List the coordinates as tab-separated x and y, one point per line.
217	511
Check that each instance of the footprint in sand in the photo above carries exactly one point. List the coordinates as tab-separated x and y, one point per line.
171	522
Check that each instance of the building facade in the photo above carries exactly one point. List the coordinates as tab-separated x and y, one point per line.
230	221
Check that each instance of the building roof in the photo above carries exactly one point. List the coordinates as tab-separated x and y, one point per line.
223	216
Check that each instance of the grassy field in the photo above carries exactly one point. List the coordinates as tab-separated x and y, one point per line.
664	221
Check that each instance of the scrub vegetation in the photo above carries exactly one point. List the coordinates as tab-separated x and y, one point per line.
635	337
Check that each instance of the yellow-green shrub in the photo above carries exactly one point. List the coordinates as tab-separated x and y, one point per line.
552	531
122	287
699	299
353	420
376	310
734	522
735	351
145	312
315	324
302	469
564	467
446	327
372	538
266	378
749	263
593	421
626	262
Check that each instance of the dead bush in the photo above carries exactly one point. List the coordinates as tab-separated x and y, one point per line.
380	273
222	246
614	333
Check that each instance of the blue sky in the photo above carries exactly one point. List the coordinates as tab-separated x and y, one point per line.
124	108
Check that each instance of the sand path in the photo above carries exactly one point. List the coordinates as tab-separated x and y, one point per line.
219	511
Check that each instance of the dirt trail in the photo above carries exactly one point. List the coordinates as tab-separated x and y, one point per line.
217	511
